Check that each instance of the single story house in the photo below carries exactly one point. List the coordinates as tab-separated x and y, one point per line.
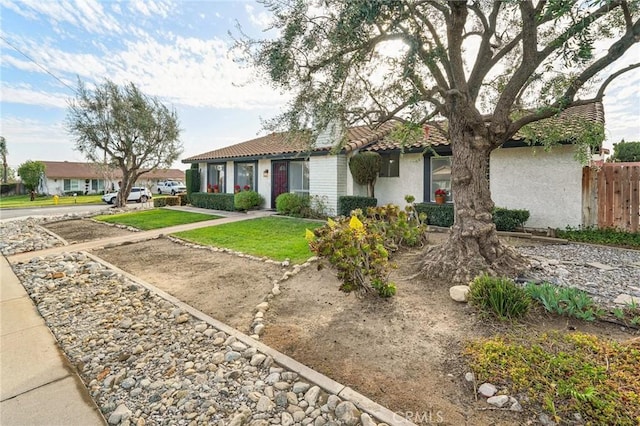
88	178
547	183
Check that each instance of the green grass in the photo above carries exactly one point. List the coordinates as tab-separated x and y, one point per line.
277	238
24	201
156	218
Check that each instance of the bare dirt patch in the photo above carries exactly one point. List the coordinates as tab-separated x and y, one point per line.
224	286
81	230
403	352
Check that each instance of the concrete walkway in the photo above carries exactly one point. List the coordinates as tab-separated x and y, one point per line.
37	384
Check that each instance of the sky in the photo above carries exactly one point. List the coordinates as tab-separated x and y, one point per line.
178	51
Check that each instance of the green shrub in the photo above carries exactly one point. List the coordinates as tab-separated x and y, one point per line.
443	215
601	236
173	200
8	188
364	167
213	201
399	228
509	219
357	252
500	297
247	200
192	177
567	301
292	204
437	214
183	199
349	203
160	202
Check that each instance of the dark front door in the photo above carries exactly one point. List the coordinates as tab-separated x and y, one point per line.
280	180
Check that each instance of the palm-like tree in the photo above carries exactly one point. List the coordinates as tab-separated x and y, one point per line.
3	153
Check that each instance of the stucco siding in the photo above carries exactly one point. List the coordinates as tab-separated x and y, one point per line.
548	184
409	182
328	179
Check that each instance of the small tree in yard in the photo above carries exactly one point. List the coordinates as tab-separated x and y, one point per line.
30	173
365	167
491	69
136	133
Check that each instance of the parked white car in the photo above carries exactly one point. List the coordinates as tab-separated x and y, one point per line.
172	187
138	194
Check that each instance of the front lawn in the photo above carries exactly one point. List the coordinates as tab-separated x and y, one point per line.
156	218
277	238
24	201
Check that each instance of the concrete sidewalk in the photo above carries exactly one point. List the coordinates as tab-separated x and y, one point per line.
37	384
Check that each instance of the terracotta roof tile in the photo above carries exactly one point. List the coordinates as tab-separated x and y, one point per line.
365	137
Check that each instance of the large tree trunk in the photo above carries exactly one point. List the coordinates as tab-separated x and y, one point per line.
128	180
473	245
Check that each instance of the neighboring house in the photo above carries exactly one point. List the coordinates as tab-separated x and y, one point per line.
547	183
87	178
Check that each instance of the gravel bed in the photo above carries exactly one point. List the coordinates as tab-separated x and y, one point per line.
607	274
146	362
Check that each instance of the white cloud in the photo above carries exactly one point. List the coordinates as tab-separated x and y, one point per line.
261	19
86	14
29	139
29	96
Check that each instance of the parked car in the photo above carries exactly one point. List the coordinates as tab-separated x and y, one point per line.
172	187
138	194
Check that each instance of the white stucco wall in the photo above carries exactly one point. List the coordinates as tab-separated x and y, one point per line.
548	184
328	179
410	182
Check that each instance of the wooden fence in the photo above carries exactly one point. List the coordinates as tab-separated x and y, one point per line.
611	196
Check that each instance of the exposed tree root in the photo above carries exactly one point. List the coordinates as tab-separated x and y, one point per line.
458	261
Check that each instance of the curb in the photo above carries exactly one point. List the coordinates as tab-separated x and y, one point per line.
363	403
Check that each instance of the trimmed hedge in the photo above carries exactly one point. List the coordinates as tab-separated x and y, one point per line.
214	201
442	215
437	214
509	220
348	203
174	200
192	177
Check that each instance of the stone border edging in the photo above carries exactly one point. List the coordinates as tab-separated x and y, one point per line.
360	401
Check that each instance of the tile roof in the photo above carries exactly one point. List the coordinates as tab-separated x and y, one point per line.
77	170
365	137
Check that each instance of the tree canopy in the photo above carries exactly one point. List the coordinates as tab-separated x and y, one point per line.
490	68
364	167
121	126
626	152
30	173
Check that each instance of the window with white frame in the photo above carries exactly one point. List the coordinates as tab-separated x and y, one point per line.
441	176
245	175
299	177
71	185
389	165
